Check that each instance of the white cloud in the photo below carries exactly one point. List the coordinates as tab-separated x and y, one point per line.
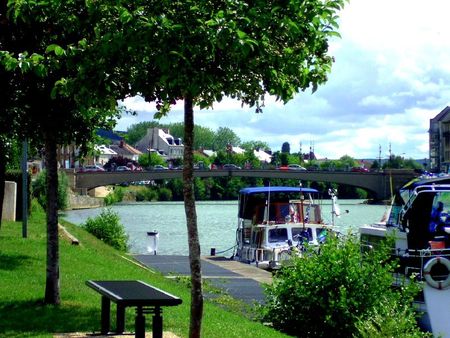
390	77
373	100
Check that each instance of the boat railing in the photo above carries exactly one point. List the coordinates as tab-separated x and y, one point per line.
432	188
413	262
260	255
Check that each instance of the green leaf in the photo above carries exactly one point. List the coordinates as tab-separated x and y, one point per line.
241	34
58	50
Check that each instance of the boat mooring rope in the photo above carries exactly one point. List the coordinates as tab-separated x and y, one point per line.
223	251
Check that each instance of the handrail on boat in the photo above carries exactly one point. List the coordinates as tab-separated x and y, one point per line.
424	188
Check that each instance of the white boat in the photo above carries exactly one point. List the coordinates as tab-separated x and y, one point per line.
274	220
419	220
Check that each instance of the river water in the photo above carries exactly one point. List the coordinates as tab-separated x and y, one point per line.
217	222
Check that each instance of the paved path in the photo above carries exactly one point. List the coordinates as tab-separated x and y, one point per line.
239	280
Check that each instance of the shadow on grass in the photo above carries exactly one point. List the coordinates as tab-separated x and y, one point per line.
34	317
13	262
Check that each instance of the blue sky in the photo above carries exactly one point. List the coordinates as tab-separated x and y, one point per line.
391	75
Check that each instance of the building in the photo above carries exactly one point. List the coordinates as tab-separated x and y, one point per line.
161	141
103	154
125	150
262	156
440	141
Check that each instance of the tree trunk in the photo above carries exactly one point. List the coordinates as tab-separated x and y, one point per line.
191	218
2	178
52	295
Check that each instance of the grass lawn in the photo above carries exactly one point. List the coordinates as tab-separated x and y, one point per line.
22	288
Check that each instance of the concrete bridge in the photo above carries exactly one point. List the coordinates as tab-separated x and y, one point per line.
379	183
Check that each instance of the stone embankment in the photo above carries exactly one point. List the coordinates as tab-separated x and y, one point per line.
84	201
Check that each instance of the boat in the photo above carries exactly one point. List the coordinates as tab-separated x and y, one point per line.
419	221
274	220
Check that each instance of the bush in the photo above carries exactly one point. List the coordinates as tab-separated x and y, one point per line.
39	187
115	196
146	194
140	196
390	320
107	227
331	293
165	194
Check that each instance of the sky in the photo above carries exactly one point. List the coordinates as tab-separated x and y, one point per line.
390	77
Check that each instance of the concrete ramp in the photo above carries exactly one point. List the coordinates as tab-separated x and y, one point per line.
239	280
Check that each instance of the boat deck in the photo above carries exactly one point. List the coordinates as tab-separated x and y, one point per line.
239	280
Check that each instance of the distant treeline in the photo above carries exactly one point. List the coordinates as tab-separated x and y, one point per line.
227	188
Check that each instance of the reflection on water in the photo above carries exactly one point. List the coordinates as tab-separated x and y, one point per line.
217	222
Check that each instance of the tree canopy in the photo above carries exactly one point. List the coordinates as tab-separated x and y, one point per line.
61	97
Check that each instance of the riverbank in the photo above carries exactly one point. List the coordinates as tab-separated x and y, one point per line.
23	287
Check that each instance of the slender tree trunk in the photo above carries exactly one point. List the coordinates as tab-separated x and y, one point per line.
52	295
191	217
2	178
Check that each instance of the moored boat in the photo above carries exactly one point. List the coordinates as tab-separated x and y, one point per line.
419	221
274	220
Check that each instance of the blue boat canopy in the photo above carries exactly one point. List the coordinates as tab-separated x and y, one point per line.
253	200
266	190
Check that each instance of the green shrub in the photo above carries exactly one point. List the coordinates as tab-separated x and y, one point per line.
165	194
140	196
146	194
392	319
39	188
107	227
115	196
328	294
151	195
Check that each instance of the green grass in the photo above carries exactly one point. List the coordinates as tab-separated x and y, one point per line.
22	287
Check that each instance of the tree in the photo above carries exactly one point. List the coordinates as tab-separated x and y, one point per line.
64	96
284	158
399	162
209	50
137	131
286	148
255	145
225	136
346	162
204	137
151	159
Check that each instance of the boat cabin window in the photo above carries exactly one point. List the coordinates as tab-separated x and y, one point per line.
278	235
278	212
305	211
321	235
428	220
439	225
303	234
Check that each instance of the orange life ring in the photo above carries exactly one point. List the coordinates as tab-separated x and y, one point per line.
437	284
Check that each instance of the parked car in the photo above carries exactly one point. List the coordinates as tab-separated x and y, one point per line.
159	167
91	168
231	166
296	167
123	168
313	167
360	170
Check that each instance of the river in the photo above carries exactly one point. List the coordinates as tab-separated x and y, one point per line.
217	221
